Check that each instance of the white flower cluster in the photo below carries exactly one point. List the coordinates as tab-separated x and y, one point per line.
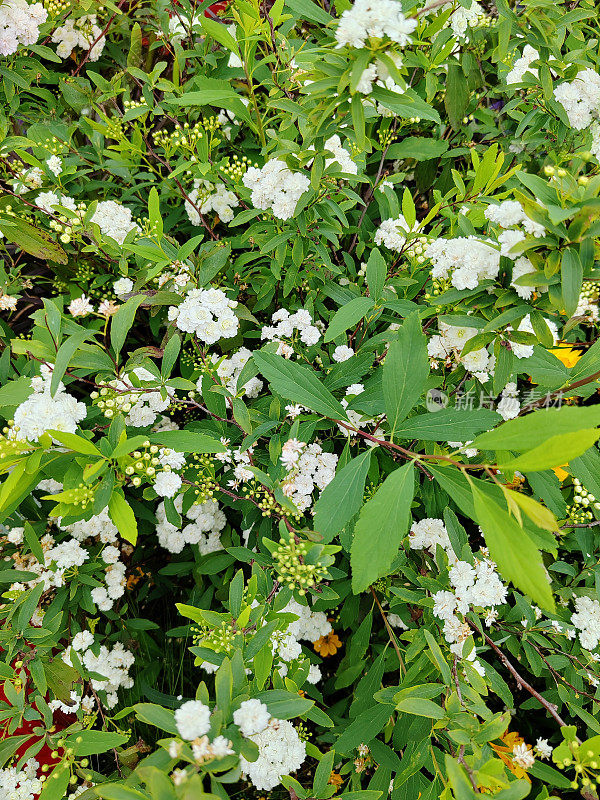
229	370
448	344
509	406
204	530
81	32
308	468
114	220
587	621
392	233
251	717
141	404
580	98
310	626
207	197
342	353
43	411
523	65
207	313
280	751
114	666
341	156
48	200
23	784
283	326
478	586
192	720
427	534
466	260
510	213
276	187
523	755
464	18
374	19
19	24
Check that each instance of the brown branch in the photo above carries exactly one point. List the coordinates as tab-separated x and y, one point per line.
521	682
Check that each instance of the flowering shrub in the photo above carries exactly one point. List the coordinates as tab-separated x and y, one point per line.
299	368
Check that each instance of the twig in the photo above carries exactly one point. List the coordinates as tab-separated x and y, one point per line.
389	631
521	682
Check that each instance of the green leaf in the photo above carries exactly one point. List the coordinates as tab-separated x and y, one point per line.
285	705
364	728
571	278
342	498
79	444
533	429
456	99
420	707
418	147
518	559
554	452
55	787
405	371
376	274
298	384
408	104
64	355
123	320
382	525
32	240
122	515
9	746
186	441
89	743
347	316
448	424
152	714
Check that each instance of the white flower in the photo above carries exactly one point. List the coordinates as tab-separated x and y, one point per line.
251	717
341	157
467	261
523	756
43	411
543	749
54	164
276	187
207	313
167	484
342	353
114	220
280	751
522	66
192	719
393	232
82	640
80	306
374	19
122	286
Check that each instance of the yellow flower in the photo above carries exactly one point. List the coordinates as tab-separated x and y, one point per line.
327	645
567	354
335	779
561	473
505	752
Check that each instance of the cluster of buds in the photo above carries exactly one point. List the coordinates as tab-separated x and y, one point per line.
81	495
220	639
200	470
266	502
142	464
129	105
580	510
583	760
185	137
292	568
10	447
56	7
438	286
111	401
235	168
